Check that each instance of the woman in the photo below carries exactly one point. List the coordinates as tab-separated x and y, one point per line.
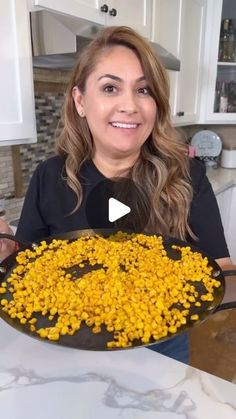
116	123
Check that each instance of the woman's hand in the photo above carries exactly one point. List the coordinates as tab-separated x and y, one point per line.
7	247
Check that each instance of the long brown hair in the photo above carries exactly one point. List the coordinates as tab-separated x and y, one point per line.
163	163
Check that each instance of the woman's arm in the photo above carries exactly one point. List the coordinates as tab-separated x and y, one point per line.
32	226
205	219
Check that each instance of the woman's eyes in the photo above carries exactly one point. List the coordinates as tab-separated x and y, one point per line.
110	88
143	91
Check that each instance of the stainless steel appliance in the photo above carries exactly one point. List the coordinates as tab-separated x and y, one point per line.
58	39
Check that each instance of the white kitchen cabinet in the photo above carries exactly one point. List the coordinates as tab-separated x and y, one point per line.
166	15
166	24
134	13
227	205
17	111
85	9
215	70
178	26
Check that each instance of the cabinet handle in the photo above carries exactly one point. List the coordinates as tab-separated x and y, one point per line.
113	12
180	113
104	8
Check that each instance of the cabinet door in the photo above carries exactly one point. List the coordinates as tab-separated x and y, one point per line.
166	24
17	111
216	71
178	27
188	79
85	9
166	15
134	13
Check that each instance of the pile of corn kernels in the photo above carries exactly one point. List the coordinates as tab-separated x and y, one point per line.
136	290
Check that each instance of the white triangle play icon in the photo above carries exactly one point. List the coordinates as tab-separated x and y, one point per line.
116	209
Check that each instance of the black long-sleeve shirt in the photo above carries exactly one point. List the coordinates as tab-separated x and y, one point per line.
49	202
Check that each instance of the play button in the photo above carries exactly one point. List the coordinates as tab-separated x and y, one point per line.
118	203
116	209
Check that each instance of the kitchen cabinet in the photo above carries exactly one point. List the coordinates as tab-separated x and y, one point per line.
85	9
227	205
178	26
17	111
216	71
134	13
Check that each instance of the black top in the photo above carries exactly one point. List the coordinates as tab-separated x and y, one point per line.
49	202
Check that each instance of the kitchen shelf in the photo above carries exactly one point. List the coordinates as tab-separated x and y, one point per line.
226	63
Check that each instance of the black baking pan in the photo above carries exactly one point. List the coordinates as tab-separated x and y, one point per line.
85	339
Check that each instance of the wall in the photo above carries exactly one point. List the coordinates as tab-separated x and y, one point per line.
227	133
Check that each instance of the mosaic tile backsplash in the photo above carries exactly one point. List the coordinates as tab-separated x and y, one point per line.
48	111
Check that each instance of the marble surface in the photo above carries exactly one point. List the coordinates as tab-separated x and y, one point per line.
221	179
41	381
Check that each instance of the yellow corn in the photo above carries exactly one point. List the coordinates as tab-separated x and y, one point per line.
137	293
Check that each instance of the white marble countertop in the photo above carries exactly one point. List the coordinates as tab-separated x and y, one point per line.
221	179
44	381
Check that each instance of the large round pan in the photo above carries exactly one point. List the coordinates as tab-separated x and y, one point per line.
85	338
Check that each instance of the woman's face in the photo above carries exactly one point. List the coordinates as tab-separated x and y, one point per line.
116	103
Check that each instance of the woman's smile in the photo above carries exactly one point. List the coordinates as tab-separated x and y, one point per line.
124	128
124	125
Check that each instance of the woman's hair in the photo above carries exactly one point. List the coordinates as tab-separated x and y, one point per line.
163	165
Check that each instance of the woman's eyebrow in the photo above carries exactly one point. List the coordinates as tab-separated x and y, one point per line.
116	78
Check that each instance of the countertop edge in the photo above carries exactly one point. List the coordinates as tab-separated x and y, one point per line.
221	179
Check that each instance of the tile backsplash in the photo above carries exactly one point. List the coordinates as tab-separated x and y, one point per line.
6	172
227	133
48	110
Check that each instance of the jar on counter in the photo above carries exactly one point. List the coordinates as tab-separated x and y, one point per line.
228	156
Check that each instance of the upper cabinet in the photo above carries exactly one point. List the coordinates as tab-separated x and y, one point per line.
178	25
218	100
17	111
134	13
93	10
